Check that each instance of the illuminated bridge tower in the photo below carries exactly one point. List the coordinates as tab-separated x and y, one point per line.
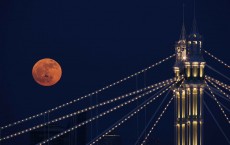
189	95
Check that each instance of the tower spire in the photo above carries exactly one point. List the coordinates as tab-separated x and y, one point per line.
194	27
183	31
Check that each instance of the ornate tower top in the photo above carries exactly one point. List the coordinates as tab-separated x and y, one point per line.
194	26
195	43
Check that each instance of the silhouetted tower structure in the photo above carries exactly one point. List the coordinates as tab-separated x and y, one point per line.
189	95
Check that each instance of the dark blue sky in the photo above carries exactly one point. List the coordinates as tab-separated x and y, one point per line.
97	43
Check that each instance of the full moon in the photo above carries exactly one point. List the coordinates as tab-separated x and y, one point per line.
47	72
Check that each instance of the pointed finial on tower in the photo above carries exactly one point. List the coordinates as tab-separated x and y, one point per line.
183	31
183	13
194	27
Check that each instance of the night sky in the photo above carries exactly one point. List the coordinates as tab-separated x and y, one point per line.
98	42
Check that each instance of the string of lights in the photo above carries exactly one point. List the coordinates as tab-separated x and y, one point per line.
225	86
214	97
151	119
217	93
146	137
222	62
86	96
128	116
120	122
218	125
124	119
218	72
218	89
109	101
96	117
158	119
226	108
75	113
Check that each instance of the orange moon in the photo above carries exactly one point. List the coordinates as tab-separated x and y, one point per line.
47	72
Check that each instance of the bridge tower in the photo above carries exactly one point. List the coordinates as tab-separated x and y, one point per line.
189	93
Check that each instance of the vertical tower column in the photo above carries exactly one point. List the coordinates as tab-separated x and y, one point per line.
181	102
189	114
189	98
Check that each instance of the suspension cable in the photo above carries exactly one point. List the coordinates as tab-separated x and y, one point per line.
144	131
227	87
219	94
214	97
218	125
96	117
86	96
222	62
146	138
132	93
226	108
126	117
75	113
218	89
154	115
218	72
84	110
